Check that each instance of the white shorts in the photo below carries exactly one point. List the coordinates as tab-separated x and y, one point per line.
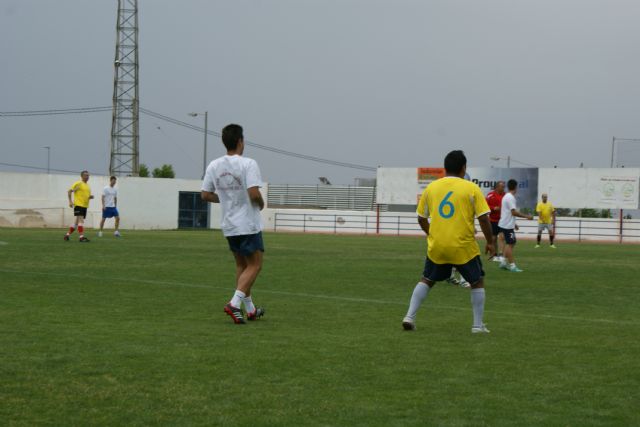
542	227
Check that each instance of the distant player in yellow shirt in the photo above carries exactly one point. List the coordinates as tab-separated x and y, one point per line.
446	213
546	220
81	193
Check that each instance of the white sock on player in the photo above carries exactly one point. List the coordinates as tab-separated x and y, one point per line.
236	301
248	304
477	303
419	294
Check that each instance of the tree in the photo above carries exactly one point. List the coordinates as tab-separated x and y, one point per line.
144	171
166	171
591	213
563	212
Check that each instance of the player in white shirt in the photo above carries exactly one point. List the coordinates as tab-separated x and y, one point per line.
507	225
110	206
234	182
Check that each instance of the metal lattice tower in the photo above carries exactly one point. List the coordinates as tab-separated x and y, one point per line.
124	127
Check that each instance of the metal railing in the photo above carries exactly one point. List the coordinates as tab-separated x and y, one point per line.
342	197
569	228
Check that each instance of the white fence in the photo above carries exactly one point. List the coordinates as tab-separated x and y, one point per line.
567	228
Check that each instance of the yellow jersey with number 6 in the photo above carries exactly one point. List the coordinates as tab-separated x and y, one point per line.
452	204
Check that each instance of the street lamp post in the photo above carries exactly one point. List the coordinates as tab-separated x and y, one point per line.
48	148
508	159
206	124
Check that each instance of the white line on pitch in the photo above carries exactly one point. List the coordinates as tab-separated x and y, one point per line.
319	296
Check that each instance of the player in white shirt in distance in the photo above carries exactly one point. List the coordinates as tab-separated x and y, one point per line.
507	225
110	206
234	182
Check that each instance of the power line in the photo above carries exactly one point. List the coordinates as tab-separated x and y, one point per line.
35	167
54	112
181	123
260	146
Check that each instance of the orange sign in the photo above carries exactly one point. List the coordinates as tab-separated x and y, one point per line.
427	175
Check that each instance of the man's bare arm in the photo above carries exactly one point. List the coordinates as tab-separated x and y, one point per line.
519	214
69	193
424	224
256	197
210	197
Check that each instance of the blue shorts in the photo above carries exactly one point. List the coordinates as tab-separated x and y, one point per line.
471	271
110	212
246	244
509	235
495	230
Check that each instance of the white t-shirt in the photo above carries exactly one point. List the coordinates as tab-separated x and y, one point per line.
230	177
507	220
110	193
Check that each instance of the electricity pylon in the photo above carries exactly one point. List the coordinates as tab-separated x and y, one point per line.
124	127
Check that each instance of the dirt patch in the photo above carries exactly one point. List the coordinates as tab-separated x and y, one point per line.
32	221
26	212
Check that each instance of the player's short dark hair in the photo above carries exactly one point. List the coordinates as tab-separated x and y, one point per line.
495	186
231	136
83	172
112	177
454	162
512	184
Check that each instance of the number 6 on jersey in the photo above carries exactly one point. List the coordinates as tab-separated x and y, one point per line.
446	203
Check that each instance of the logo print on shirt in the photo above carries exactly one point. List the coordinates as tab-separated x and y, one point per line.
228	181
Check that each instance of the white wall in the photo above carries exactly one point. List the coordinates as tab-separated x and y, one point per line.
577	188
40	200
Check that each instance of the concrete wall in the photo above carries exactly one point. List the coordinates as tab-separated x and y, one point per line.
40	200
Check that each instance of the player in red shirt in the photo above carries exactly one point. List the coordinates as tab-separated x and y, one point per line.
494	200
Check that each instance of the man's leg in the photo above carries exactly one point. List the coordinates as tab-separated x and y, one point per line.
72	227
247	269
495	247
539	237
248	275
508	253
500	245
102	220
473	273
477	305
117	223
81	227
420	292
241	266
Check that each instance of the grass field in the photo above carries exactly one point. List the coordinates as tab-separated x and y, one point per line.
132	332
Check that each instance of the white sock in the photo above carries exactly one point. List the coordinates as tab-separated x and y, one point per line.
477	304
512	265
248	304
236	301
419	294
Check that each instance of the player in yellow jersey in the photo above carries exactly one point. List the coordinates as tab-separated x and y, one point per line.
446	213
81	193
546	220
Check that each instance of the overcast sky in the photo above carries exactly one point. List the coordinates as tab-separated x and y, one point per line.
391	83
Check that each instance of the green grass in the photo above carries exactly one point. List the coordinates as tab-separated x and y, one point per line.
131	332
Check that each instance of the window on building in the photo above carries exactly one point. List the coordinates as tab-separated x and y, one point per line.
193	212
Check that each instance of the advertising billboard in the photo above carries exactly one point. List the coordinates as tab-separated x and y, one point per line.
403	186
